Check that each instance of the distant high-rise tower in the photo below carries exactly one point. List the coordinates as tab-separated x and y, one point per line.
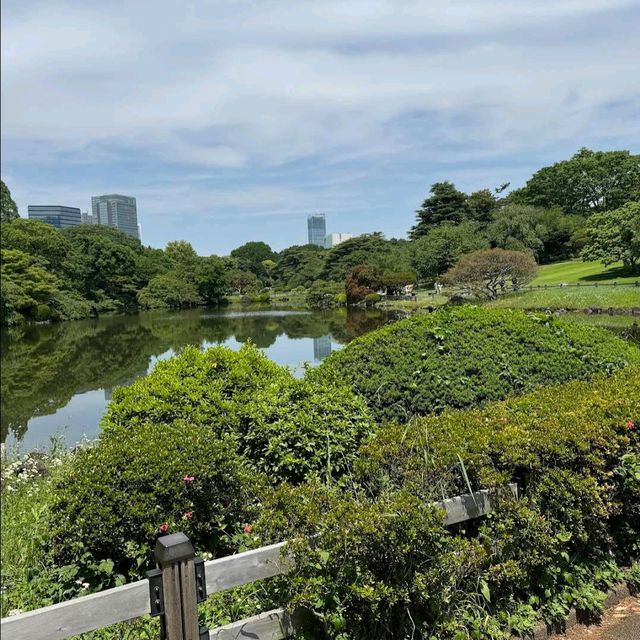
59	216
116	211
334	239
317	226
88	218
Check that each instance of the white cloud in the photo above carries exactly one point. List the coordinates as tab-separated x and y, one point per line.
253	86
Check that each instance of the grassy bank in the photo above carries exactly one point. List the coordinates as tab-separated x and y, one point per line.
603	297
577	271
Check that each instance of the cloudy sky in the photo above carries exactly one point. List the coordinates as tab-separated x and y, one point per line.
231	121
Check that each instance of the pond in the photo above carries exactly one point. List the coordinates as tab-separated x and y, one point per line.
57	379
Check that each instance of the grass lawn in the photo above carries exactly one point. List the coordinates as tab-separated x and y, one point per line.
572	298
574	271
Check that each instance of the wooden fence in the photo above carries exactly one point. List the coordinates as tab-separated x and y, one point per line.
179	598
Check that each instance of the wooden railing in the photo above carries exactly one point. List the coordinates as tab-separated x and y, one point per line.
98	610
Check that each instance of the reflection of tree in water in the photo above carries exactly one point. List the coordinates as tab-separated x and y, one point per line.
44	366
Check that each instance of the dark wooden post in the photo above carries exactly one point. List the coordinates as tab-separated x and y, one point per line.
174	554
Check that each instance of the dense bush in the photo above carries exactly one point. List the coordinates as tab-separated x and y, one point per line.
285	426
463	357
381	564
226	418
112	498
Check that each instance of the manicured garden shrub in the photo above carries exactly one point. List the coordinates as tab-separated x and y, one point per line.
286	427
381	564
464	357
114	498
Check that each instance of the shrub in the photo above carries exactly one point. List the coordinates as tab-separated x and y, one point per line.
380	563
372	298
464	357
112	498
285	426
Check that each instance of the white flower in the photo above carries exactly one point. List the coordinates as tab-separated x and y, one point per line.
14	612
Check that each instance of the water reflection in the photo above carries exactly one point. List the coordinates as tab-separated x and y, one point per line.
62	375
321	348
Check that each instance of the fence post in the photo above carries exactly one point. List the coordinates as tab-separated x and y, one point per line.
175	556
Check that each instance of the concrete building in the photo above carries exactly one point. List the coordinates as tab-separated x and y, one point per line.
334	239
88	218
317	228
117	211
59	216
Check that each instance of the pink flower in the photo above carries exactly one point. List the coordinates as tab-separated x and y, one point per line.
164	527
188	515
631	425
188	478
247	528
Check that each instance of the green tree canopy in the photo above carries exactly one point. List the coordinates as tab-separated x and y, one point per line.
445	204
8	208
251	255
37	239
362	250
615	236
517	227
440	248
590	181
298	266
481	205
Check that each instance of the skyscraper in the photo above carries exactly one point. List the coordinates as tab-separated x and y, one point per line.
57	215
116	211
88	218
317	227
334	239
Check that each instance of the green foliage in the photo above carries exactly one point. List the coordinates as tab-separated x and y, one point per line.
298	266
615	236
26	287
480	205
440	248
251	257
111	500
285	426
517	228
445	204
8	208
373	559
590	181
168	290
463	357
323	294
367	249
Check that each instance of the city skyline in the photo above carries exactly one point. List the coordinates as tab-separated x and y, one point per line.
354	109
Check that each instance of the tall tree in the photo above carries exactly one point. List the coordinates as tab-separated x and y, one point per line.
589	182
615	236
439	250
445	204
481	205
8	208
517	227
251	255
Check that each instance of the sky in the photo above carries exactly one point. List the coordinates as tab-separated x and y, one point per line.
232	121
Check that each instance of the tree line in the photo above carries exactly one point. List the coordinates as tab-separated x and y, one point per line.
587	205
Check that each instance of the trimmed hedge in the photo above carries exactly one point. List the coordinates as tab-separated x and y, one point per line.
464	357
382	565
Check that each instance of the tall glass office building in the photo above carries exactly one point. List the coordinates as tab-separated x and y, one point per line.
56	215
317	226
116	211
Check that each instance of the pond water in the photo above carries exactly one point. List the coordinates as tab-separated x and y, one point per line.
57	379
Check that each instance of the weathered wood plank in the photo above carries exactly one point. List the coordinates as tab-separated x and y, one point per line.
79	615
472	505
270	625
258	564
